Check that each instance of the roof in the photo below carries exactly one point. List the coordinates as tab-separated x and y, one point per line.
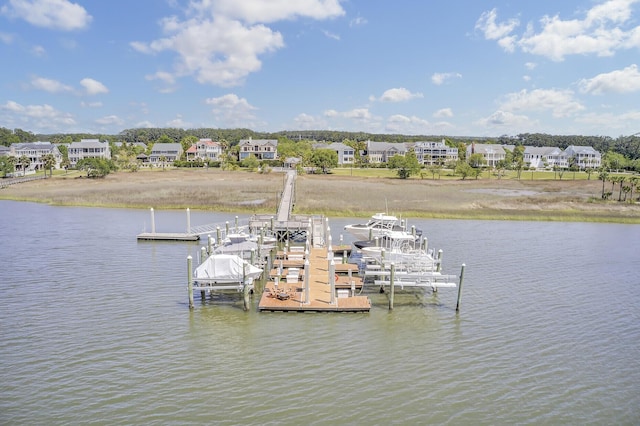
88	143
386	146
165	147
258	142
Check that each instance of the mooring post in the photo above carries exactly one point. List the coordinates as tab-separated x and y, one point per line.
203	254
226	229
392	278
439	265
209	245
370	234
245	287
236	223
253	256
413	231
460	288
218	235
307	298
188	221
352	282
153	222
344	256
190	280
272	224
332	281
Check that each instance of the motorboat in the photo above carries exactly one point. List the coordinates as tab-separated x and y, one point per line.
379	224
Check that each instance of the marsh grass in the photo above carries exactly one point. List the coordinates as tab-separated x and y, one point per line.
333	195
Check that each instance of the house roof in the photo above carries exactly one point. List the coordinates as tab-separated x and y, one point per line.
250	141
165	147
88	143
386	146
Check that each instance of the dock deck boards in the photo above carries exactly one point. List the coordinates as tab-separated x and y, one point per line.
319	291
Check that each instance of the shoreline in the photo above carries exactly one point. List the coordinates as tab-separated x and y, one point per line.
331	195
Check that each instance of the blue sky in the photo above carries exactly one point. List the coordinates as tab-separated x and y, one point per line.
457	68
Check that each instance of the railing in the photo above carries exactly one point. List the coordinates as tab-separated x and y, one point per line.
12	181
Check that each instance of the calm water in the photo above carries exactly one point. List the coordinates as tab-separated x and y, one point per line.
95	328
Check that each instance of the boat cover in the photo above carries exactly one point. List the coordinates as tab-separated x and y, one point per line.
226	268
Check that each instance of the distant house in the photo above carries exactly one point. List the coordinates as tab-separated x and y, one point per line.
492	153
381	152
583	156
88	148
346	154
165	153
205	149
540	157
292	162
262	149
34	151
430	152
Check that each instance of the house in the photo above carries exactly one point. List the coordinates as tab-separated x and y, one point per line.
540	157
35	151
430	152
292	162
381	152
262	149
583	156
346	154
492	153
206	150
88	148
162	153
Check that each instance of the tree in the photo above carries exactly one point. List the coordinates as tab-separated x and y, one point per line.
477	160
96	167
7	164
251	162
186	143
463	169
324	159
48	161
406	165
24	162
603	175
163	160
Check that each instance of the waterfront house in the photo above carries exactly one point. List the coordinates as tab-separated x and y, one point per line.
541	157
583	156
35	151
381	152
206	150
262	149
165	153
435	152
492	153
346	154
88	148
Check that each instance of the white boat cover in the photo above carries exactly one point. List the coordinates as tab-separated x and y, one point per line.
226	268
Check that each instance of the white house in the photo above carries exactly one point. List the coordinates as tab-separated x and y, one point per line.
430	152
540	157
34	151
584	156
205	149
262	149
492	153
88	148
381	152
165	153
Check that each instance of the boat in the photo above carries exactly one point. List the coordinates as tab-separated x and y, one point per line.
379	224
227	269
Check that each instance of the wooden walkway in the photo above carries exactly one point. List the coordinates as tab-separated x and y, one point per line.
319	289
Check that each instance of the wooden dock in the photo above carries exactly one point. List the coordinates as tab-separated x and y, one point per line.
292	294
168	236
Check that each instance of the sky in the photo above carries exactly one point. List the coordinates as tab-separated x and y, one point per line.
458	68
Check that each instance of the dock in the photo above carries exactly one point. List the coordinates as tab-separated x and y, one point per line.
290	294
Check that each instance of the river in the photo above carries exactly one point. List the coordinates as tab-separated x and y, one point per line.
95	328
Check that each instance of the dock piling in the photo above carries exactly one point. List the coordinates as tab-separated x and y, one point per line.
190	281
392	278
307	299
332	281
153	221
460	288
188	221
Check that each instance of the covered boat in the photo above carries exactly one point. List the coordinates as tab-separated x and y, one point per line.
226	268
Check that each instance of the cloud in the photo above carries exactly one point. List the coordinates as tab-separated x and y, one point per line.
560	102
6	38
110	120
53	14
93	87
604	28
399	95
626	80
309	122
443	113
331	35
91	104
48	85
232	110
439	78
39	117
221	42
500	32
403	124
178	123
358	22
506	119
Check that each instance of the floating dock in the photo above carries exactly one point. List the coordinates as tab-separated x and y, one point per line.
290	294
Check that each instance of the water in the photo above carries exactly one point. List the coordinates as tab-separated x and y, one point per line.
95	328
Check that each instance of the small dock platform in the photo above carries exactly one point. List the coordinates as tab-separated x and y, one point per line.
168	236
290	295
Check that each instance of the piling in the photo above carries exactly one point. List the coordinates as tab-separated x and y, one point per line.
153	222
307	297
245	287
332	281
439	265
188	221
190	280
209	245
392	278
460	288
218	235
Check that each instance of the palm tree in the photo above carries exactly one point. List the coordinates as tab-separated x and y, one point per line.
48	161
621	180
163	160
603	176
24	162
